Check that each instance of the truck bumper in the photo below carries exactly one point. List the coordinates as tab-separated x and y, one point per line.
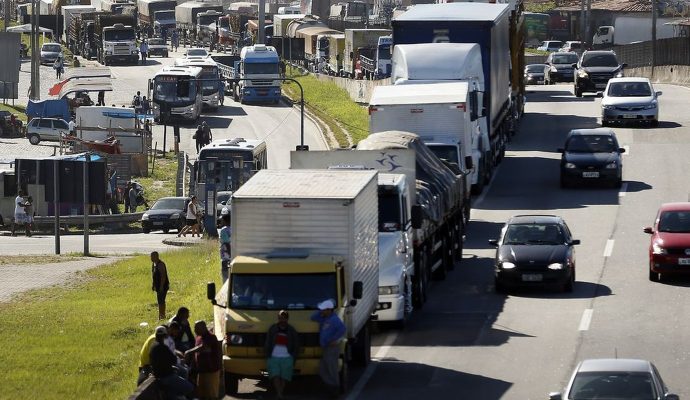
133	58
390	308
260	94
256	367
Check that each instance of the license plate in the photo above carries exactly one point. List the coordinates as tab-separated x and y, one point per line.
532	277
684	261
590	174
629	116
158	223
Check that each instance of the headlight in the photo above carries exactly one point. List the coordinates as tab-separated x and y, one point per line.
570	165
608	107
507	265
215	97
582	73
650	106
145	217
389	290
134	52
612	165
619	74
175	216
236	339
553	69
556	266
657	249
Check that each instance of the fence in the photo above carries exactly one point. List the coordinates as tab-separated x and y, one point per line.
673	51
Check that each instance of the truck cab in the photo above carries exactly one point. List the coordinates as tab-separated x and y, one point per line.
164	19
259	75
603	36
119	45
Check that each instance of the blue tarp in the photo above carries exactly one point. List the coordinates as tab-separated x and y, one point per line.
48	109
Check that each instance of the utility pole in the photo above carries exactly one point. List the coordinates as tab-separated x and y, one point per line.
582	21
654	15
35	51
588	24
261	34
85	170
7	14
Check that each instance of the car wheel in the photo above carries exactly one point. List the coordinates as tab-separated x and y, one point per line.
34	139
604	122
499	286
232	382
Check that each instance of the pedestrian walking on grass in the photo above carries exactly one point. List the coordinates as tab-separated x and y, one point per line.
224	238
160	282
331	331
281	347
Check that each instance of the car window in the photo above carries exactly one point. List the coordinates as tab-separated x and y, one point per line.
574	45
55	48
613	385
675	221
60	125
591	144
629	89
599	60
535	68
44	123
169	204
523	234
565	58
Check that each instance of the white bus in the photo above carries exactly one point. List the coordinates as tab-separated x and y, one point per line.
179	89
211	85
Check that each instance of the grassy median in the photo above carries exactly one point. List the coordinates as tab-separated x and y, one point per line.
83	342
332	105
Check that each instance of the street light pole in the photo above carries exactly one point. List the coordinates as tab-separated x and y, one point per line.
654	17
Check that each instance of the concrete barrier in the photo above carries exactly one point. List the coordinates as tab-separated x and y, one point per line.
675	74
358	89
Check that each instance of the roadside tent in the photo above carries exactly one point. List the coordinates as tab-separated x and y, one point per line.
26	28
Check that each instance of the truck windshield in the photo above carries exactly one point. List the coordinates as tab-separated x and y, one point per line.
209	86
174	88
448	153
165	15
389	211
127	34
281	291
206	20
260	68
385	52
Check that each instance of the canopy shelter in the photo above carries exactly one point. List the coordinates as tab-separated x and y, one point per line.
79	73
26	28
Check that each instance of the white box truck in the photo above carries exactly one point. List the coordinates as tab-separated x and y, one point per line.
299	237
99	122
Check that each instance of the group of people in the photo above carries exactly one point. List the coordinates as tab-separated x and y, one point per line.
134	197
141	104
184	362
202	135
23	213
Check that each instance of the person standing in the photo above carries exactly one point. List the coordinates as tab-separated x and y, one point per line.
144	50
224	238
133	201
207	134
208	361
174	40
145	105
160	282
20	213
59	67
163	364
72	127
331	331
282	348
101	97
199	138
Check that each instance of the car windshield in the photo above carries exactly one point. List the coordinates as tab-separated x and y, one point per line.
675	222
260	68
565	58
281	291
535	68
591	144
612	386
197	53
53	48
169	204
533	233
223	198
629	89
599	60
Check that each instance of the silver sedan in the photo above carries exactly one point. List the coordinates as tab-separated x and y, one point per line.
629	100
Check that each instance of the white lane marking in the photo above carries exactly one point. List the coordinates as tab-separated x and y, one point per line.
627	150
624	189
586	319
608	250
369	372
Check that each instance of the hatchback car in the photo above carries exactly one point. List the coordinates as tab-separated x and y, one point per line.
594	69
615	379
550	45
591	155
534	74
630	100
572	46
535	250
48	129
559	67
165	214
50	52
158	47
669	248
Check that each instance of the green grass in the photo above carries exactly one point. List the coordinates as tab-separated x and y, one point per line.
160	183
18	110
332	105
84	342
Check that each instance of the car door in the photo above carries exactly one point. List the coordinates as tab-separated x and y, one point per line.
44	129
60	127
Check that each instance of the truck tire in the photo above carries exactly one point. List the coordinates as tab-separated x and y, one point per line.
361	351
232	383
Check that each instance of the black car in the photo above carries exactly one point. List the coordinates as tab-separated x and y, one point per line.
591	155
535	250
534	74
167	213
594	69
559	67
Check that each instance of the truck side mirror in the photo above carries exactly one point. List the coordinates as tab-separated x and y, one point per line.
357	289
416	216
469	164
211	291
474	106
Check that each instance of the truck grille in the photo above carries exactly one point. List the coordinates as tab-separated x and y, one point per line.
121	50
262	82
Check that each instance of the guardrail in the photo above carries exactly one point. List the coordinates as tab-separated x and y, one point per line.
78	220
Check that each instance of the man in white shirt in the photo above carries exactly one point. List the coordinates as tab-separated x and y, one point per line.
72	127
20	217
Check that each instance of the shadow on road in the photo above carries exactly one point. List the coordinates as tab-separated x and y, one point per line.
582	290
230	109
216	122
637	186
557	96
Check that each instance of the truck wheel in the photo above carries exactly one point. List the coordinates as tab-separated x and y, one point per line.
362	348
441	272
232	383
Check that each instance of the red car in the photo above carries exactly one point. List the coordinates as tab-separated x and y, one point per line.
669	250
